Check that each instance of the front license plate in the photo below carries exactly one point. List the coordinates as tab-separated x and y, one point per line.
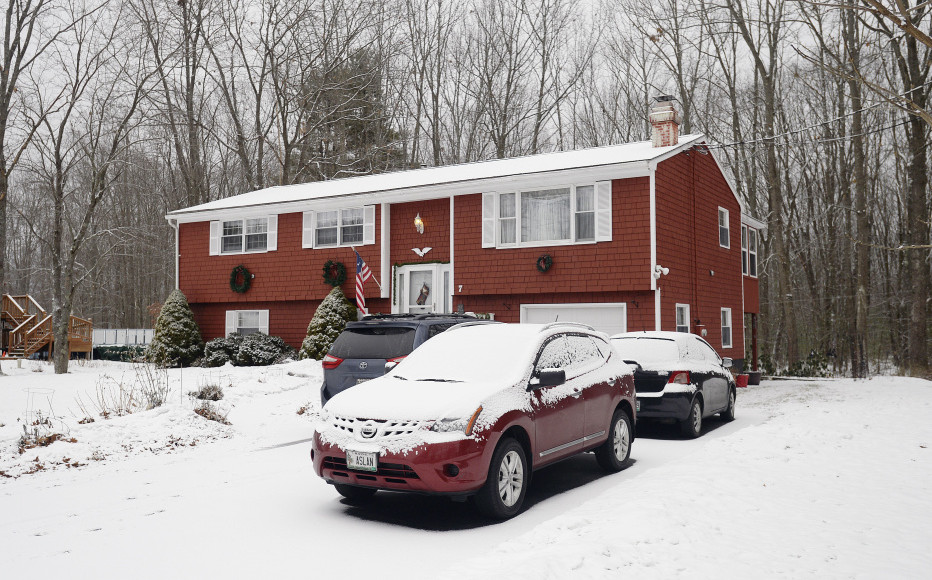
637	406
362	460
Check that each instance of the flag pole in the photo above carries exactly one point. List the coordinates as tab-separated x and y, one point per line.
374	279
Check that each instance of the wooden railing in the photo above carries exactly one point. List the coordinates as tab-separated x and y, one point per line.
33	327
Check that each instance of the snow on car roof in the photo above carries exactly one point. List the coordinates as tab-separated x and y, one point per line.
465	173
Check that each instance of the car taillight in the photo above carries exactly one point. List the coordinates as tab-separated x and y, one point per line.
330	362
679	377
396	360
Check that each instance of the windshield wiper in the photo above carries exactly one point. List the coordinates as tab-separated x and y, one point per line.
399	377
441	380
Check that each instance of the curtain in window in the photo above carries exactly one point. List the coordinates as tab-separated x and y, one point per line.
545	215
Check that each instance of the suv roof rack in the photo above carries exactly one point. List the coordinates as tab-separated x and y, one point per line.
550	325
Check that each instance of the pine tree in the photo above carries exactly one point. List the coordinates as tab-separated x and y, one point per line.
177	338
327	324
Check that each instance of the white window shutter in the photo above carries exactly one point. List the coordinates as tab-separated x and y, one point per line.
264	321
488	220
603	211
368	227
215	238
231	323
272	236
307	235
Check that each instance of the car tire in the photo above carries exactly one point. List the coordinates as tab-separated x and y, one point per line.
729	413
691	427
503	493
355	494
614	453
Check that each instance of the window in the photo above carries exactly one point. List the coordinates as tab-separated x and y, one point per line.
353	226
744	250
752	252
508	218
246	322
558	215
585	213
238	236
545	215
251	234
682	317
723	231
726	327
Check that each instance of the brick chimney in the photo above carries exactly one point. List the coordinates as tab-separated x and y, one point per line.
664	122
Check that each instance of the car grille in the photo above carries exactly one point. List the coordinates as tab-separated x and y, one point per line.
390	470
384	429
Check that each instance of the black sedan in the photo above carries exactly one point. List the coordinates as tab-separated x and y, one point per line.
679	377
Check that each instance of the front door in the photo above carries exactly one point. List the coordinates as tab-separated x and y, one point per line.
422	289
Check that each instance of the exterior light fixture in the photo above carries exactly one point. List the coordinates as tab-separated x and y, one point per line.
419	224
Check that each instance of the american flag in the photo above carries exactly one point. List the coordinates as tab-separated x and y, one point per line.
362	274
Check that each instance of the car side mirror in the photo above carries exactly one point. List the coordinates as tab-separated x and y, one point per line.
390	365
548	378
727	362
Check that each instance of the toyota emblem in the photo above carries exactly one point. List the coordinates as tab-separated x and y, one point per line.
363	365
368	430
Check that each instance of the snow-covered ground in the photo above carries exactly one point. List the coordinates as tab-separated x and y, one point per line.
828	479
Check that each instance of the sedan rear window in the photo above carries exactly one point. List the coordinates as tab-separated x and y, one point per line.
646	350
376	342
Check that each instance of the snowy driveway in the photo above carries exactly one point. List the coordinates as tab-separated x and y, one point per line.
812	479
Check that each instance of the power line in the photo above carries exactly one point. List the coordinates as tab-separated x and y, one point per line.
822	124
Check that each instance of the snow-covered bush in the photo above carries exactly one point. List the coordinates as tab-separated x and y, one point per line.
260	349
177	338
220	351
257	349
327	324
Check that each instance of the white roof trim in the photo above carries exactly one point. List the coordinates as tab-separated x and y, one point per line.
599	163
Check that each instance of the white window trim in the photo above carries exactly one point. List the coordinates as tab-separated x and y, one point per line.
688	322
727	227
755	253
216	235
602	215
744	250
232	321
730	327
309	227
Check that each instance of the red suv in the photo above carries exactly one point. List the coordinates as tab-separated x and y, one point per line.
475	410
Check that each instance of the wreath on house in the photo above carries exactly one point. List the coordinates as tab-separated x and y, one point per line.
240	279
334	273
544	263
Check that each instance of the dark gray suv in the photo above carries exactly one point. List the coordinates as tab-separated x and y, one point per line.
363	349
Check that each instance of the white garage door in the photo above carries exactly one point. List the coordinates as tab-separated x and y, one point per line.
610	317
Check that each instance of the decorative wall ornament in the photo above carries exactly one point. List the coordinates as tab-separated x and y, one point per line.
544	263
240	279
334	273
421	251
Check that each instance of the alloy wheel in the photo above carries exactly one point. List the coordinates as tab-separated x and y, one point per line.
622	440
510	478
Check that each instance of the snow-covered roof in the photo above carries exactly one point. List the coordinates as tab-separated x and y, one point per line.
612	161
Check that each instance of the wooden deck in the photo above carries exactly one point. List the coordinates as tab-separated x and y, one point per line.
27	328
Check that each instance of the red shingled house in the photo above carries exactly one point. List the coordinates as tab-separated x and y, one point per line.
641	236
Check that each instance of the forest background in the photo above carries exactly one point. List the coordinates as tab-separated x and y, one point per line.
114	112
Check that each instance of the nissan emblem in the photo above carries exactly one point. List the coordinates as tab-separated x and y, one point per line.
368	430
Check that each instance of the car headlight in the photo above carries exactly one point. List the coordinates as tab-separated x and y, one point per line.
463	424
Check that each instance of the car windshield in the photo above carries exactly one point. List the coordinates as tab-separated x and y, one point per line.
480	354
645	349
374	342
